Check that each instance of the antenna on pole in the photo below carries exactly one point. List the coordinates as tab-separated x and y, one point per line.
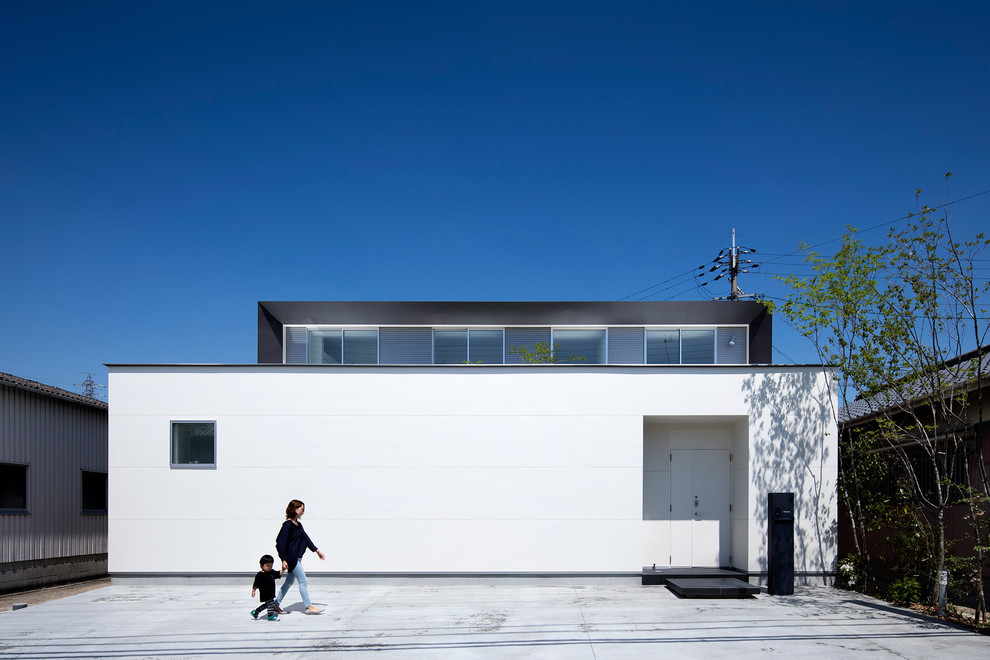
730	263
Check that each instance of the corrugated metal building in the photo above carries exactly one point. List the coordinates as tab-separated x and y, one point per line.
53	485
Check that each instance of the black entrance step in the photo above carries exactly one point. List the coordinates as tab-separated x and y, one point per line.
661	575
712	587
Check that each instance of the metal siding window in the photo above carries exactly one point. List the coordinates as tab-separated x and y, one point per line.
94	492
13	488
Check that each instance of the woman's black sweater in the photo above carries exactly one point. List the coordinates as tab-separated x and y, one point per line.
291	543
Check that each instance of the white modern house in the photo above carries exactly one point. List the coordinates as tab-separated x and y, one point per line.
424	446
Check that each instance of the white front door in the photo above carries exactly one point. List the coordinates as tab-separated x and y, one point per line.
699	507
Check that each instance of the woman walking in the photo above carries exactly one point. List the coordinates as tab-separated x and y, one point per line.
291	544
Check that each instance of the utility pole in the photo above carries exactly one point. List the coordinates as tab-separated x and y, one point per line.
734	270
728	262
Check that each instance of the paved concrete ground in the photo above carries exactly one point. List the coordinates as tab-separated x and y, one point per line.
472	621
54	592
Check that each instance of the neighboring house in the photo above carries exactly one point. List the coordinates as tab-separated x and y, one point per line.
424	446
958	378
53	485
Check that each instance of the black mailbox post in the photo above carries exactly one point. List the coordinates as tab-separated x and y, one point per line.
780	546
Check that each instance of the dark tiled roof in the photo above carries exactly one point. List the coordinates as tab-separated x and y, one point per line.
41	388
855	410
957	372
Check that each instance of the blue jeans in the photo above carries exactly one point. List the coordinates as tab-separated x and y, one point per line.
296	573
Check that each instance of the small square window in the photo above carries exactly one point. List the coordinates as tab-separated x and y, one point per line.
194	444
94	492
13	488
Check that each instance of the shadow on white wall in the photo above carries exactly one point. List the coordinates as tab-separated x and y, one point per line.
794	447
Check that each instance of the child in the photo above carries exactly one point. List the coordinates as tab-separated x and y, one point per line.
264	582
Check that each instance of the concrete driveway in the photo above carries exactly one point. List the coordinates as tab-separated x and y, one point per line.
476	621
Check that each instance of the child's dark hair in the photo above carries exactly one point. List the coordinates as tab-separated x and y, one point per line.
266	559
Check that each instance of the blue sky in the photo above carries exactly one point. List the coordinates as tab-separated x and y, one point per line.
164	166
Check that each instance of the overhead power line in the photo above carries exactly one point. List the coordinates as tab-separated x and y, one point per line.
730	262
882	224
723	263
680	276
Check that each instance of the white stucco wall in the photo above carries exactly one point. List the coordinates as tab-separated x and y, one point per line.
451	469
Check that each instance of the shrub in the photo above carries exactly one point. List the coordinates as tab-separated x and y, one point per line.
848	573
904	591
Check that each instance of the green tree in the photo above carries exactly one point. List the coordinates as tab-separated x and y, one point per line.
543	353
890	318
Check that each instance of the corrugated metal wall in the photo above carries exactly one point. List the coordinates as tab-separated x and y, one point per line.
732	344
57	439
295	345
626	345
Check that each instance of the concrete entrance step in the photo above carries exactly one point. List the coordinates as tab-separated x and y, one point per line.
712	587
661	575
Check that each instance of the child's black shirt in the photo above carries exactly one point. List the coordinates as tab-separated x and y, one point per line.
265	583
